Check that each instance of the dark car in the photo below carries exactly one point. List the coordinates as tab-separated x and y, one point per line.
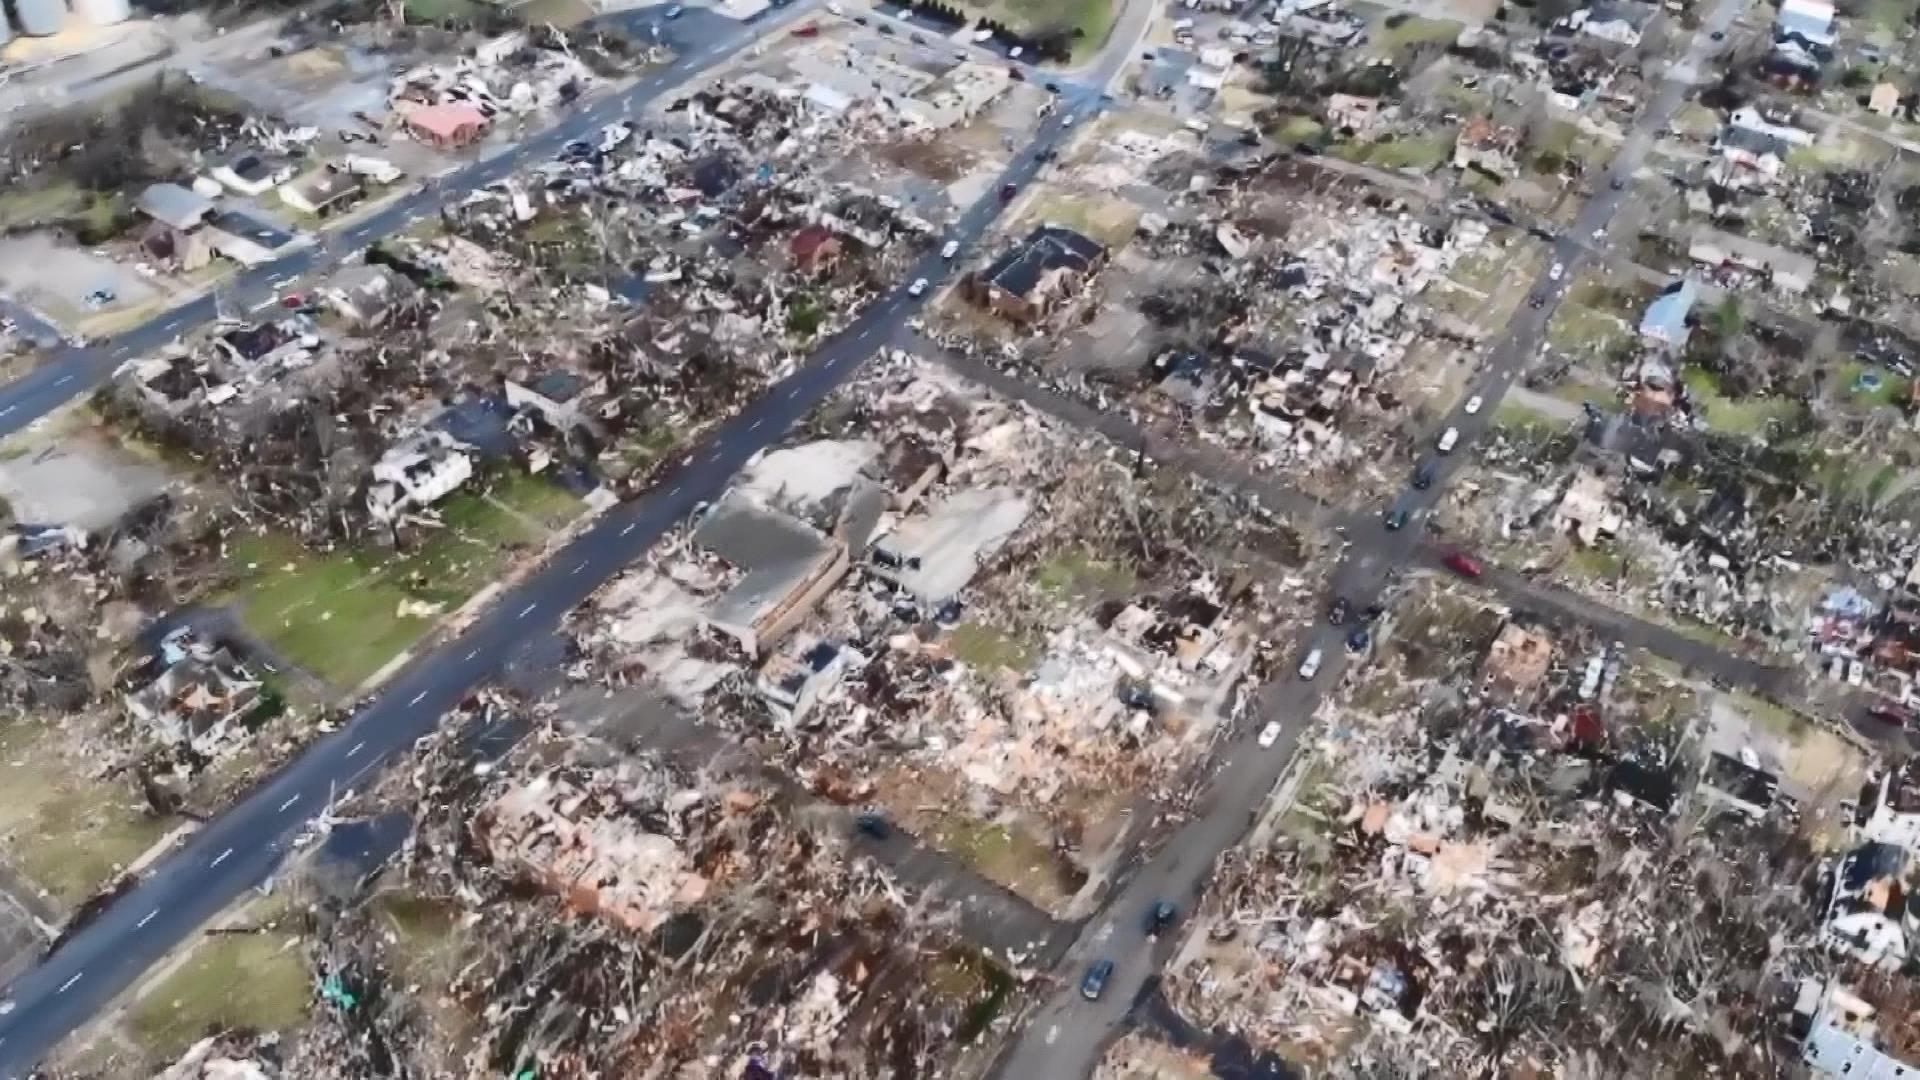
1719	35
1423	476
1396	519
1359	640
1053	88
1500	214
1094	982
1160	916
1007	192
1537	302
1541	232
1337	611
1617	183
872	825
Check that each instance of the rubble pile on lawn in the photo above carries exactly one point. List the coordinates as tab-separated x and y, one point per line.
596	912
1526	876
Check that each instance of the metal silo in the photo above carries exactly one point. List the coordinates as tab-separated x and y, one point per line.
103	12
39	18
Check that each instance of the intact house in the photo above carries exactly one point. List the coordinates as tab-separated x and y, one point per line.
321	191
1035	277
785	567
186	230
447	127
1665	320
1620	23
201	696
418	471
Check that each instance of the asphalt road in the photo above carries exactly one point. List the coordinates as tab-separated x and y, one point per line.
1065	1036
242	847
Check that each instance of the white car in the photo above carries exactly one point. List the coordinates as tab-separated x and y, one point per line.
1554	274
835	9
1311	665
1269	735
919	286
1474	403
1856	673
1448	439
952	249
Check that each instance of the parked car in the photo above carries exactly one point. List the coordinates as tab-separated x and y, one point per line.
1396	519
1160	916
1448	439
1094	982
1310	666
1474	403
1423	475
809	30
952	249
1463	565
1269	735
872	825
675	11
1359	640
919	286
1007	192
1337	611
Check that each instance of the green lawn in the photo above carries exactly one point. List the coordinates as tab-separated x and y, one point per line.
1394	34
1012	857
1091	18
1578	327
66	831
1074	575
1747	416
337	613
1421	154
249	982
1892	387
987	648
1297	128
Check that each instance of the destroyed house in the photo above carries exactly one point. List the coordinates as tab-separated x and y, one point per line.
419	471
1895	815
321	191
1621	23
1743	788
1871	914
815	249
934	554
557	397
248	345
1030	280
1516	663
201	696
248	173
1665	320
367	294
1807	21
175	207
791	682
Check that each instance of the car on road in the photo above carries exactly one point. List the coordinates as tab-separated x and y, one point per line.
1396	519
1461	564
1718	35
951	249
809	30
1094	982
1474	403
1337	611
1558	271
919	286
1423	475
1160	916
1617	183
1269	735
674	11
873	826
1537	302
1310	666
1053	87
1448	440
1007	192
1359	640
1541	232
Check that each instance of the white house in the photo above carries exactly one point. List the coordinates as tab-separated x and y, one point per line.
419	471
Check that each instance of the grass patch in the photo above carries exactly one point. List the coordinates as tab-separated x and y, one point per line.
1012	857
1519	419
1580	392
1596	564
1891	388
337	613
1576	326
24	207
1396	34
1422	153
1075	575
986	648
67	832
252	982
560	13
1776	720
1297	129
1747	416
538	498
441	11
1108	220
1089	19
1696	120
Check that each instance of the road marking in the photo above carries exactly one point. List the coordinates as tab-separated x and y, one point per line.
629	528
6	410
526	611
793	392
68	985
417	697
289	803
356	747
755	426
63	380
473	654
579	568
220	858
675	491
146	919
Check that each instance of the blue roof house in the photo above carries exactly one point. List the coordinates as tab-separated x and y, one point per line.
1665	322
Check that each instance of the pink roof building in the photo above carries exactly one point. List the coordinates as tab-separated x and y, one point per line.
447	126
